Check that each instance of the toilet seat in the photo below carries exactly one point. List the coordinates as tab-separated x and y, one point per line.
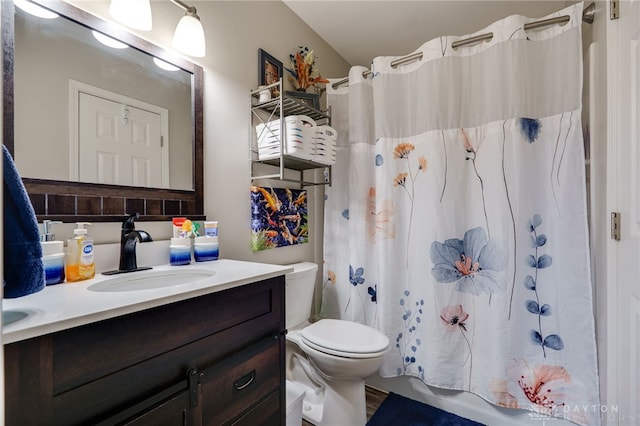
345	339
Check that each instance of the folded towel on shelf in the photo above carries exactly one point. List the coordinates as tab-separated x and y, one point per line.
23	267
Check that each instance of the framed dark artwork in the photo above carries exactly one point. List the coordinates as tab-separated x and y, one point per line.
270	71
310	99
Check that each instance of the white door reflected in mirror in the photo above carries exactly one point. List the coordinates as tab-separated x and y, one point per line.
120	144
53	56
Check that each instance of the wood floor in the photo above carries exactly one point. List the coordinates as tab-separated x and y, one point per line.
374	399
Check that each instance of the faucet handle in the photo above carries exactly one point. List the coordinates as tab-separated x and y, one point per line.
128	224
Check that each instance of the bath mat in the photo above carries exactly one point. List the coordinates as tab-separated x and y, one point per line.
396	410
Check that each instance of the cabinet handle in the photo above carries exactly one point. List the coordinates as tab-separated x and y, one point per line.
244	381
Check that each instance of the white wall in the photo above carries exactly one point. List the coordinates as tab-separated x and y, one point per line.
234	30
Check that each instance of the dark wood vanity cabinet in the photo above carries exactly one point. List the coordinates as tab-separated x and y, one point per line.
215	359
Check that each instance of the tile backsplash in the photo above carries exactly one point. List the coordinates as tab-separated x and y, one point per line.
54	204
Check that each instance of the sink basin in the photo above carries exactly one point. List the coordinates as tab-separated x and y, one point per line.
9	317
135	281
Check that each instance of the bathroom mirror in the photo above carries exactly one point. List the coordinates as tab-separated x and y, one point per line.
58	78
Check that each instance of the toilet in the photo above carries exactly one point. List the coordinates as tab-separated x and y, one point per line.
329	358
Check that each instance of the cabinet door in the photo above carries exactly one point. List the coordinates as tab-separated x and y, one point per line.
171	407
264	413
239	384
171	412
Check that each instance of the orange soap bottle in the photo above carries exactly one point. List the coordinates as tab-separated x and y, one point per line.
79	261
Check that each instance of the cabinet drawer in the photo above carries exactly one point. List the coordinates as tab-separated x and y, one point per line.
235	385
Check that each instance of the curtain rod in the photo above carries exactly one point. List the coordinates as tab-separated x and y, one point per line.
587	16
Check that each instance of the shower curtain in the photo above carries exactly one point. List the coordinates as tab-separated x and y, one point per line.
457	221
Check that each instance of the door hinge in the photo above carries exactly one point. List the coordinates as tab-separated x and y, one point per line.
194	376
615	226
125	114
161	141
614	9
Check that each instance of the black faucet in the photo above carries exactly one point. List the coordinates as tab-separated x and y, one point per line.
128	238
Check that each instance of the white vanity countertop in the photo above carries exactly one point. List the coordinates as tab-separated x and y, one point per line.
66	305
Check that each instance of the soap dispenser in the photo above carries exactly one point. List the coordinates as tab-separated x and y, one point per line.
79	263
52	254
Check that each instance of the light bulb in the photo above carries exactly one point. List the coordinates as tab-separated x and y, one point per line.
35	9
132	13
108	41
165	65
189	36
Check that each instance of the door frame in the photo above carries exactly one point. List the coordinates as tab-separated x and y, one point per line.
77	87
609	342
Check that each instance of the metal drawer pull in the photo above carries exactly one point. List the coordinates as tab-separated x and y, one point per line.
244	381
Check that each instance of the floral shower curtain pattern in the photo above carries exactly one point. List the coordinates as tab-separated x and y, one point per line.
461	228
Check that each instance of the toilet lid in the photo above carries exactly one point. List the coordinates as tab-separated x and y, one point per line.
344	337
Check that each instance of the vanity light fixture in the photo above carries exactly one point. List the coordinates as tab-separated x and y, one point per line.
164	65
189	35
108	41
35	9
135	14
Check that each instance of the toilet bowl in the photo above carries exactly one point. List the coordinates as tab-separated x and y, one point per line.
330	358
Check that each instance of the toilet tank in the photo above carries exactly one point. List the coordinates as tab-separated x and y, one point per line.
299	286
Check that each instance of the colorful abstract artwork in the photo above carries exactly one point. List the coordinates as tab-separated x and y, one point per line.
278	217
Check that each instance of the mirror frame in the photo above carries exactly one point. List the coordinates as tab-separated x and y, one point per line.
79	201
